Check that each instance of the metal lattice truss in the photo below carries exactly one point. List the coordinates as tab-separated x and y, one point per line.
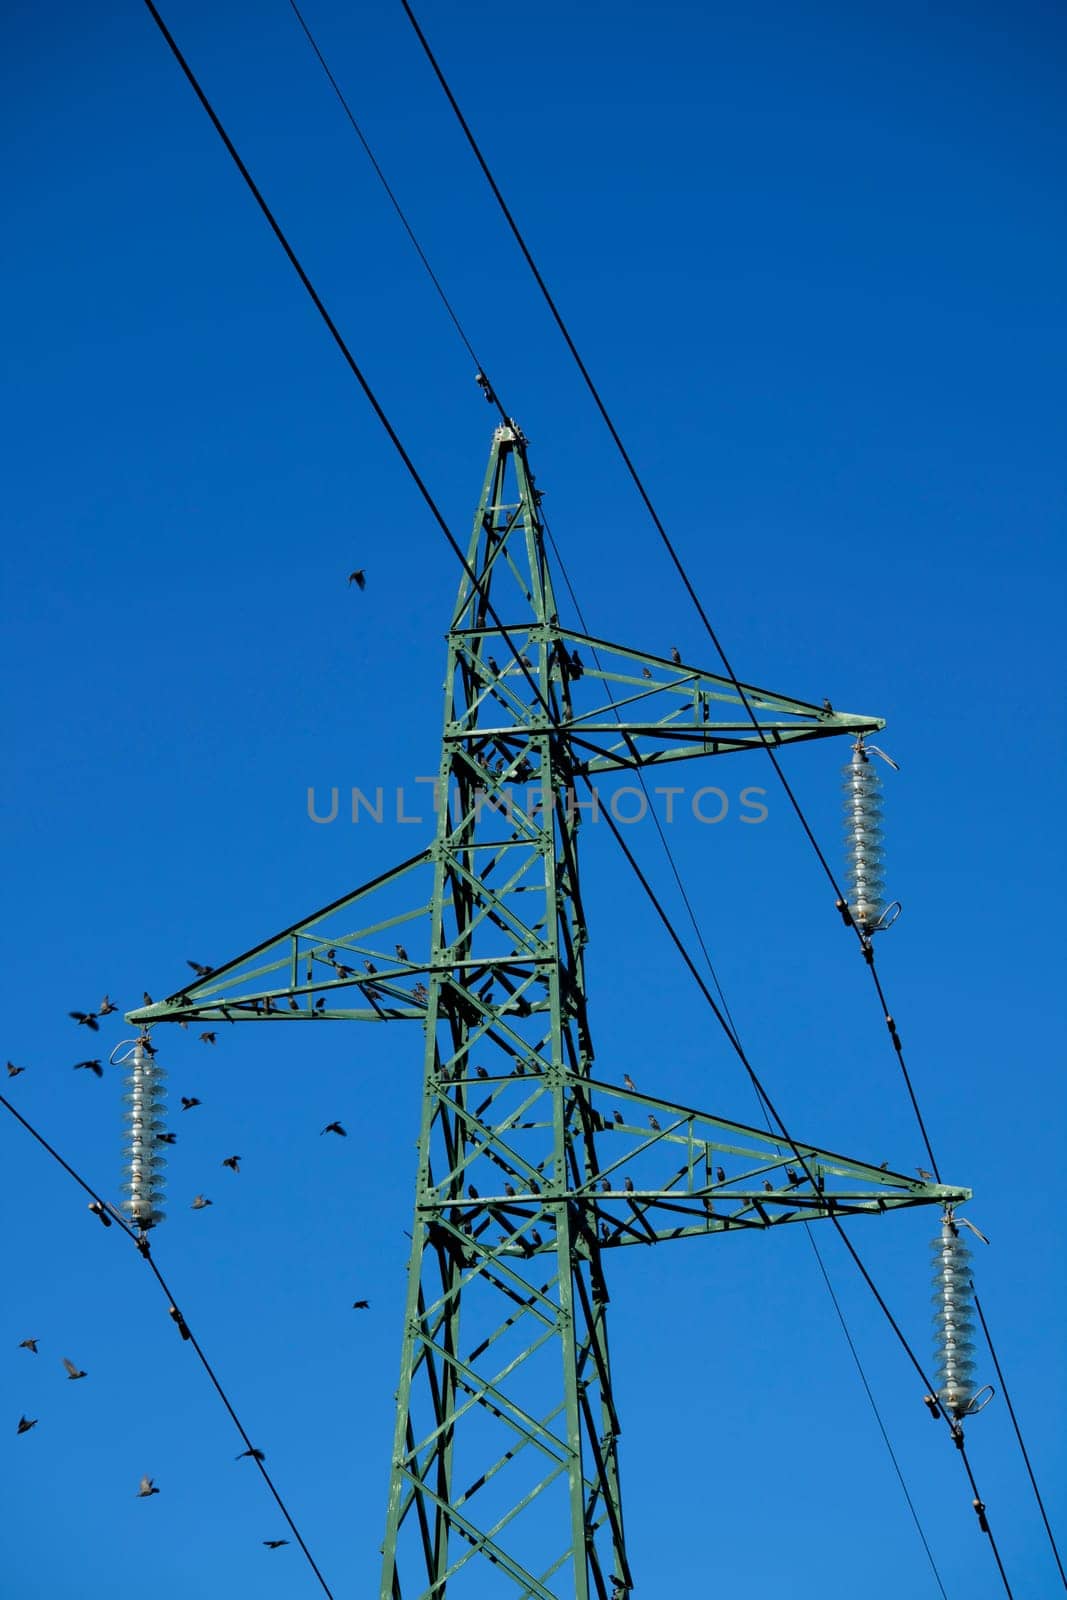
531	1167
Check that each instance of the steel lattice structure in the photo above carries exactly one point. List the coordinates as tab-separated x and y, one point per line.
531	1167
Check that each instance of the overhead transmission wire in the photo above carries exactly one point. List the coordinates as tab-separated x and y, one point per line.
865	942
493	394
668	545
649	891
142	1245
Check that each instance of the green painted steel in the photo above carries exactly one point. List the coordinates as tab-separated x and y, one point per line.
531	1166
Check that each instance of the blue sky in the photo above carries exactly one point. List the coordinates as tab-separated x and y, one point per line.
815	258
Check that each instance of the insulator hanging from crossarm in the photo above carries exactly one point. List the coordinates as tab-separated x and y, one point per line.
143	1161
863	841
953	1300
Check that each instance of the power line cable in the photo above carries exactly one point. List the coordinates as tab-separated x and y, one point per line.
668	543
865	941
142	1245
397	207
424	491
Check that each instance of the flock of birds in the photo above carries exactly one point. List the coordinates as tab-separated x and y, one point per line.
90	1020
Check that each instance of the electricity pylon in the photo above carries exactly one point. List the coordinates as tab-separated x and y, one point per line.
531	1166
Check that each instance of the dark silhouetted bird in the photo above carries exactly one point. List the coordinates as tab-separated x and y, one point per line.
275	1544
509	1189
28	1344
646	672
420	993
480	1072
605	1184
370	966
148	1487
927	1177
106	1007
200	969
25	1424
793	1175
628	1185
720	1174
189	1101
576	664
320	1005
535	1238
146	998
617	1115
294	1004
89	1066
493	668
166	1138
233	1162
768	1185
653	1121
256	1455
361	1305
98	1211
334	1127
401	953
13	1071
208	1037
676	655
359	578
199	1201
73	1371
828	707
86	1019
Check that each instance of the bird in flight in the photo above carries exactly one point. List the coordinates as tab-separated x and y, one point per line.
86	1019
166	1138
200	969
233	1162
73	1371
28	1344
334	1127
275	1544
98	1211
199	1201
13	1071
256	1455
106	1007
361	1305
208	1037
89	1066
25	1424
359	578
148	1486
189	1101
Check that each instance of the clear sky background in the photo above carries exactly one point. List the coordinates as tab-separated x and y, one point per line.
815	257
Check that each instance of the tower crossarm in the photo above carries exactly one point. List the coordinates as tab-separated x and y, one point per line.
653	710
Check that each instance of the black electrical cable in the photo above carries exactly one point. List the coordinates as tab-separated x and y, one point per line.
955	1430
841	899
408	229
1018	1435
430	502
874	1407
141	1243
339	341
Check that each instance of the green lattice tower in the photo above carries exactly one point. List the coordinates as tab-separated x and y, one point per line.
531	1167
